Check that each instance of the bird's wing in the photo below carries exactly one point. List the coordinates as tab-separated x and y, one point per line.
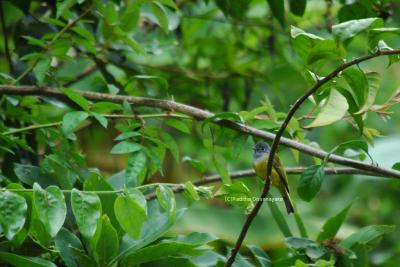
282	174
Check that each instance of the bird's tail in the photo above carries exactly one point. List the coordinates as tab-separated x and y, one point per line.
288	203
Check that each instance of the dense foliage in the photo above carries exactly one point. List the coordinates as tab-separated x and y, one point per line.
108	179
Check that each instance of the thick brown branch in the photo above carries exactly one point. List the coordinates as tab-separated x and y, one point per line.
201	115
279	134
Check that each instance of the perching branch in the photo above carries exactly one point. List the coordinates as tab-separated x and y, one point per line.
279	134
200	114
177	188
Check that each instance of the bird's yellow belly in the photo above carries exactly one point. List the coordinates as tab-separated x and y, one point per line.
261	171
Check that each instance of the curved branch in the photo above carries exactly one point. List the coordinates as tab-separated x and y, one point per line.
279	134
201	114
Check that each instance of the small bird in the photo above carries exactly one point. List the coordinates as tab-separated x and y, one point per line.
278	175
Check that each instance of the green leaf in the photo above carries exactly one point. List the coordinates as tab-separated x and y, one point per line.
260	256
351	28
366	235
278	10
279	219
310	182
233	116
38	231
105	242
334	109
333	224
77	98
312	48
396	166
178	245
50	207
136	169
106	107
127	135
96	182
130	17
170	143
160	14
177	124
100	118
13	210
125	147
70	248
23	261
110	13
354	144
167	199
131	213
374	81
237	193
29	174
222	167
71	120
234	8
298	7
195	163
298	242
382	46
86	207
41	69
191	192
358	83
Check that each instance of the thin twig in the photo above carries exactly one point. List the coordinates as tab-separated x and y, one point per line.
177	188
109	116
278	136
55	38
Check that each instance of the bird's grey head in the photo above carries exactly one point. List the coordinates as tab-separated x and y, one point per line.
260	150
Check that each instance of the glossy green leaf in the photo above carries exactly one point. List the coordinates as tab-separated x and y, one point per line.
222	168
358	83
178	124
333	224
105	107
86	207
310	182
23	261
366	235
131	213
100	118
351	28
167	199
71	249
178	245
298	7
50	206
260	256
29	174
127	135
160	14
77	98
41	69
71	120
374	81
191	191
279	219
233	116
96	182
105	242
277	8
195	163
237	193
13	209
333	110
136	169
125	147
